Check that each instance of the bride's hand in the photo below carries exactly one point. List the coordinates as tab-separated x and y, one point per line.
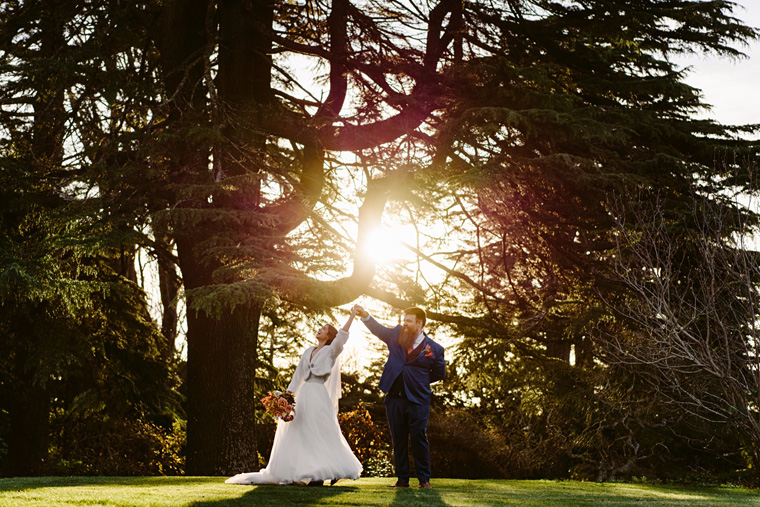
358	310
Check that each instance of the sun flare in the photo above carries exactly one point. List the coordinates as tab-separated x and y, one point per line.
383	246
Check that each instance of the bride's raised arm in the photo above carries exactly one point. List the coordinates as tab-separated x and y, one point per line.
342	337
347	325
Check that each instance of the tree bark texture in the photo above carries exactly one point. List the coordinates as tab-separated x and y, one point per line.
221	362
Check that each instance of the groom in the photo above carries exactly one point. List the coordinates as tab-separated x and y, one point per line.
414	362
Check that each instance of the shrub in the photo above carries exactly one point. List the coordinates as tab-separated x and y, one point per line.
461	447
106	446
370	442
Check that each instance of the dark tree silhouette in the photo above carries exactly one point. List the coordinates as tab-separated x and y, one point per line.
238	138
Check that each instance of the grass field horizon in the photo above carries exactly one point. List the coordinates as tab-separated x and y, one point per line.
213	492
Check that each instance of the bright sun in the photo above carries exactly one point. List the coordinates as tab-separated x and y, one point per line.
384	246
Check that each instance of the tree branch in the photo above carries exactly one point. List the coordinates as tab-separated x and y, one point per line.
459	320
338	54
295	208
299	288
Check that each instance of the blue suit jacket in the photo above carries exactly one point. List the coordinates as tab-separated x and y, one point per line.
418	373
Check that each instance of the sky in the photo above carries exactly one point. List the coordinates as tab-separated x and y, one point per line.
731	86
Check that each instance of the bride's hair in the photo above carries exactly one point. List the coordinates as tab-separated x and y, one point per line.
331	333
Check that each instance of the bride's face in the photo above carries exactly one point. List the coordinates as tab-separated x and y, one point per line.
322	335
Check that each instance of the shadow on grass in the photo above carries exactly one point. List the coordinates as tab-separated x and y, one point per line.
27	483
279	495
412	496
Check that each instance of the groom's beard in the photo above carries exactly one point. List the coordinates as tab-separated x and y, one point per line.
406	338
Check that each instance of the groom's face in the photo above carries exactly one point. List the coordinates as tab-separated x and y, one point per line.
411	325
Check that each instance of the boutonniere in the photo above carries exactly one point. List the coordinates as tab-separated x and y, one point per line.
428	351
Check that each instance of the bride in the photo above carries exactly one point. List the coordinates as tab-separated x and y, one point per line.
311	447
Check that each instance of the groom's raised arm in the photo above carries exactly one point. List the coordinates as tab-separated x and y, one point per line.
377	329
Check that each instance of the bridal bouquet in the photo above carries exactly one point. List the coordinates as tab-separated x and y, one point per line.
280	405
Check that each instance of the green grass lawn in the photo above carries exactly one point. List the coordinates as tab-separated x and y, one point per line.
213	492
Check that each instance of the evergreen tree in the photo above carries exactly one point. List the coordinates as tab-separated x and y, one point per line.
535	109
572	102
260	169
73	327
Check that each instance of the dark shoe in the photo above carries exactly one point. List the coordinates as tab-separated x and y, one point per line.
332	482
425	485
400	484
316	483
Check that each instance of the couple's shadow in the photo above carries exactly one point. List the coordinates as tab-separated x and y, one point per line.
281	496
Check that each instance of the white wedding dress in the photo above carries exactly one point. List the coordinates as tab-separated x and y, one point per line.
311	447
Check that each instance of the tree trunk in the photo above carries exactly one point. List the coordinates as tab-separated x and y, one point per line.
584	352
559	349
169	284
221	360
124	263
222	350
28	408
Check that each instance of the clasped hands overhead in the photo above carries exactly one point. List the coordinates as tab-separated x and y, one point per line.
360	311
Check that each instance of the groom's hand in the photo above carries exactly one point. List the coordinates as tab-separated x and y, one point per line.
361	312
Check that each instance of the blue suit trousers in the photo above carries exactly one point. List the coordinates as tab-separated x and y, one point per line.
407	419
